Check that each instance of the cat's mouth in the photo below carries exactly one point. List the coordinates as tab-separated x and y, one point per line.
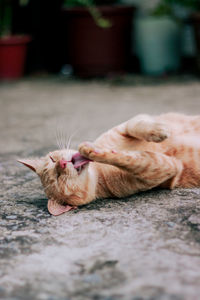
79	162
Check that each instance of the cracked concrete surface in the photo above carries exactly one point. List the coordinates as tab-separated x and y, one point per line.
144	247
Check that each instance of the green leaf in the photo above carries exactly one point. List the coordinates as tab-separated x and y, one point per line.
93	10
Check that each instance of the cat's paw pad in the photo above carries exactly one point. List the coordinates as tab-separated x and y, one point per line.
89	150
158	133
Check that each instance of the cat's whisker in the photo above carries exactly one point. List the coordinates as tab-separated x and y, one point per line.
56	138
59	138
63	138
62	141
58	143
68	144
56	134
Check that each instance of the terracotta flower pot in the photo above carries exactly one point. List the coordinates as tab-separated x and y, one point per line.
95	51
12	56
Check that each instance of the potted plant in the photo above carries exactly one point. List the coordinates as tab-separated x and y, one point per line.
188	11
195	20
12	47
98	36
158	39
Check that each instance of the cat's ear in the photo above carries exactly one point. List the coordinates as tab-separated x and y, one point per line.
57	209
33	164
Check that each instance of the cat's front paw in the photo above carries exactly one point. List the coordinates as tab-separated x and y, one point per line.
157	133
89	150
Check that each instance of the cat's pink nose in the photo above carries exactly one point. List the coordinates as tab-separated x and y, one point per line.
63	163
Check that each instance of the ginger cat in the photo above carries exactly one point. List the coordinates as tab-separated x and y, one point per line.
138	155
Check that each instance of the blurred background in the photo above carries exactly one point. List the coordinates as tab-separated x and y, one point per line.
88	38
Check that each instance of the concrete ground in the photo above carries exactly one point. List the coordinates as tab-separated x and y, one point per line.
144	247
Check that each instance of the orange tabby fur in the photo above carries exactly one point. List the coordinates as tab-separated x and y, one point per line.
140	154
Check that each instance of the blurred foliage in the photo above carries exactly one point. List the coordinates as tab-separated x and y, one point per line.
162	9
186	3
165	7
89	2
6	16
91	5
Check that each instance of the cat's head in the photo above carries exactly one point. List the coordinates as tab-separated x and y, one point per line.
65	177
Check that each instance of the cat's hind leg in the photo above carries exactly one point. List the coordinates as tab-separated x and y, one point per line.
144	127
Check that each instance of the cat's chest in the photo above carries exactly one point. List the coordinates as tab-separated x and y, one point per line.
113	182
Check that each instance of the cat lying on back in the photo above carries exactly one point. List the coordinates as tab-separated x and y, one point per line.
138	155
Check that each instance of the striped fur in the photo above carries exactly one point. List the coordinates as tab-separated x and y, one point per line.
140	154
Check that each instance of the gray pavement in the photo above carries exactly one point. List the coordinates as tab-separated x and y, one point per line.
144	247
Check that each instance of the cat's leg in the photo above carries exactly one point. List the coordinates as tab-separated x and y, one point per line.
141	127
150	167
144	127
